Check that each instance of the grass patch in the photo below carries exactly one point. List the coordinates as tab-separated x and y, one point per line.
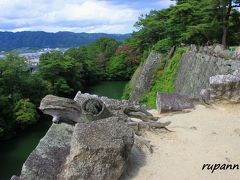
164	79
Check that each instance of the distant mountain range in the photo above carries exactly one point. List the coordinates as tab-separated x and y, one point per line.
40	39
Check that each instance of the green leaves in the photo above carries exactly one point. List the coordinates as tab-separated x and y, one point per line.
189	22
25	113
16	83
164	79
58	70
163	45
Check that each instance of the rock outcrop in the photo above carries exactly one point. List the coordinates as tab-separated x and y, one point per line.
110	103
96	147
145	75
223	88
169	102
99	150
95	150
198	65
47	161
61	109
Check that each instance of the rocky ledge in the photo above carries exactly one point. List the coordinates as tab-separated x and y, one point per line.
223	88
92	140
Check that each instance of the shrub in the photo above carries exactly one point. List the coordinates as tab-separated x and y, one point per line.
25	113
163	46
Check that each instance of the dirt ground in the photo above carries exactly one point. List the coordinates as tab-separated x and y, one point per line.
206	135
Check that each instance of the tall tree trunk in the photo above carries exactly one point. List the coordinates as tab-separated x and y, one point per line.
224	36
225	24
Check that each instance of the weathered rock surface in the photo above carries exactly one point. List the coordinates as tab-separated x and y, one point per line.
172	102
94	150
110	103
47	161
197	66
218	50
97	147
145	76
71	111
99	150
205	96
62	109
94	109
107	141
225	87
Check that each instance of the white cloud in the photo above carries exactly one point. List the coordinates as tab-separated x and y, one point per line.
69	15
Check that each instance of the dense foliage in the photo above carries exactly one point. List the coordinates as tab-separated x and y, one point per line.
63	74
19	91
58	73
25	113
105	59
39	39
202	22
189	22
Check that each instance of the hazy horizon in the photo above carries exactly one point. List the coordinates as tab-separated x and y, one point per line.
90	16
65	32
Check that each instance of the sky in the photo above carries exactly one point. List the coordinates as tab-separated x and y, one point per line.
92	16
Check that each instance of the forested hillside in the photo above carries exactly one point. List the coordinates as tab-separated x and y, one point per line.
58	73
204	22
40	39
63	74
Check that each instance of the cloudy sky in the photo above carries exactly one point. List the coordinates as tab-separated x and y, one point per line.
109	16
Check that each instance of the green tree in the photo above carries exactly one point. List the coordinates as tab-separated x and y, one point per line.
55	69
188	22
17	82
100	52
122	65
25	113
13	73
7	122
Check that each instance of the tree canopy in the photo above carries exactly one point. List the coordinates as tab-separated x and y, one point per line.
58	73
19	91
190	22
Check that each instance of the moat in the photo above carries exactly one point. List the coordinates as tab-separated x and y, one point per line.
15	151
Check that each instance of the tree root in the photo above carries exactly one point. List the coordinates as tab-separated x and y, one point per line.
139	114
140	142
137	126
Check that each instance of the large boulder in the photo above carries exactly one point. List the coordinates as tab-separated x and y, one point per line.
71	111
94	150
61	109
47	161
97	147
167	102
111	104
225	87
99	150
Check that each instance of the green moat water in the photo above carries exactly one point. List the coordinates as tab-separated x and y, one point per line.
14	152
